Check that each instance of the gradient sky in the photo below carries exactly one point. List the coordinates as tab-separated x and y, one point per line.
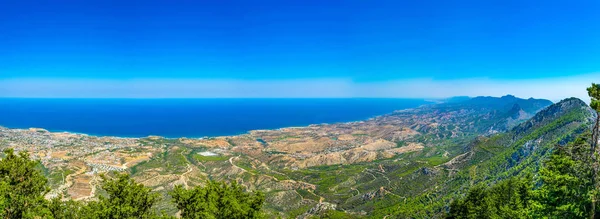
253	48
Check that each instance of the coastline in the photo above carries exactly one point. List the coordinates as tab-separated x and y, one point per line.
248	132
186	137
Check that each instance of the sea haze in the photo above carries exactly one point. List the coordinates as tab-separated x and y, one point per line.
187	117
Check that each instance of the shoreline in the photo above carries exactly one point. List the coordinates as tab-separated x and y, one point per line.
247	132
202	137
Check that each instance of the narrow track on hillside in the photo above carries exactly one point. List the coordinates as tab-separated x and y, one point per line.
242	169
67	183
183	178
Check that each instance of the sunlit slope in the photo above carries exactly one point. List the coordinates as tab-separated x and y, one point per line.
489	159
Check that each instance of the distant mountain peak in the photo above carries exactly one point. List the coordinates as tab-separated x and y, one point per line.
516	112
515	107
456	99
573	100
507	102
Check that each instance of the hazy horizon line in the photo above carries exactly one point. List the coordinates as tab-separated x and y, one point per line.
553	89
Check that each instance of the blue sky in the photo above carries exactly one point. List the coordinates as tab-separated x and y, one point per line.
297	48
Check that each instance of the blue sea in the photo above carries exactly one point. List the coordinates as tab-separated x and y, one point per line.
187	117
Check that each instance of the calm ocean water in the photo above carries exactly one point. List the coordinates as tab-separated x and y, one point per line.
187	117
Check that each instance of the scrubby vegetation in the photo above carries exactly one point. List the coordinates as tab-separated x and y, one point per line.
218	200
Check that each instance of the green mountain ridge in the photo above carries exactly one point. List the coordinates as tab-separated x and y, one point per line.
490	159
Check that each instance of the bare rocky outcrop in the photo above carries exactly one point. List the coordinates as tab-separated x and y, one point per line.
321	207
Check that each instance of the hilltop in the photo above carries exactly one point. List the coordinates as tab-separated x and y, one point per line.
362	167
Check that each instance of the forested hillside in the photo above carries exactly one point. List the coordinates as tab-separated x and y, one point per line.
545	167
490	159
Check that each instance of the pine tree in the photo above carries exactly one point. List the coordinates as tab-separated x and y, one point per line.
218	200
594	93
509	198
22	187
65	209
126	199
566	183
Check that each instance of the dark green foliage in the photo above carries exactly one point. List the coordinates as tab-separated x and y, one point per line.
594	93
218	200
65	209
22	187
477	204
400	144
126	199
566	182
508	199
